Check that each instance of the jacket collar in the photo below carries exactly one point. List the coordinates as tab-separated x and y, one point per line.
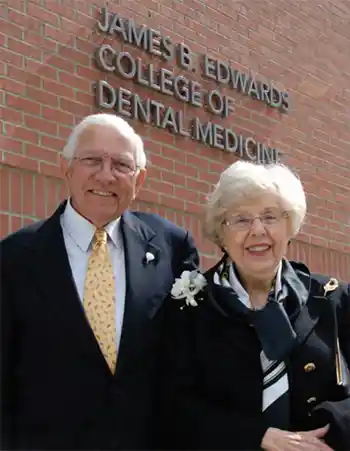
301	285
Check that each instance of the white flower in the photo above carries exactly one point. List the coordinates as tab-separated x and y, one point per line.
149	257
188	286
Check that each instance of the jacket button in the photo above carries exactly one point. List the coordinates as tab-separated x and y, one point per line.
311	400
309	367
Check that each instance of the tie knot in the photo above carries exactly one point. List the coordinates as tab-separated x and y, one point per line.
100	237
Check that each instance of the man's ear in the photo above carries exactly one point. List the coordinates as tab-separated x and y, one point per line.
65	167
140	180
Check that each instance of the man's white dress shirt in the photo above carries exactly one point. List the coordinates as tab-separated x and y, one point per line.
78	233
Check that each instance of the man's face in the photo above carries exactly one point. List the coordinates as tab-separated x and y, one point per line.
103	178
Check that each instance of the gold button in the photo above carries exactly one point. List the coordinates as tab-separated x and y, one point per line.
309	367
311	400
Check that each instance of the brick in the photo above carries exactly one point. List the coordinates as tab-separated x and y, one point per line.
49	170
64	132
42	14
27	22
43	96
198	162
20	103
13	86
42	70
70	26
39	196
74	107
11	115
15	223
40	153
40	42
85	46
75	55
148	196
3	68
51	193
75	82
198	186
60	10
24	76
27	221
44	126
4	225
62	192
52	143
163	163
10	145
57	115
57	35
25	49
27	194
57	62
83	97
160	187
19	161
4	189
186	170
183	193
18	5
58	88
10	29
172	202
22	134
172	177
16	192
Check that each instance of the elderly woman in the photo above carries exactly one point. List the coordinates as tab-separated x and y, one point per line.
258	348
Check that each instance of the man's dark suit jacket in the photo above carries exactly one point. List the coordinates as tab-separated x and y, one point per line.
213	384
56	388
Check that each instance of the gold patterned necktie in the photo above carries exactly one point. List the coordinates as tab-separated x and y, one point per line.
99	298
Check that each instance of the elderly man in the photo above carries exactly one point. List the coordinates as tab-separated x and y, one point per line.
80	299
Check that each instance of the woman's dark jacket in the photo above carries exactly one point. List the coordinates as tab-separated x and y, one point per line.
212	385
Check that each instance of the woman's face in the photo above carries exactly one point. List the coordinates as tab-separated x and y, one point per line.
256	236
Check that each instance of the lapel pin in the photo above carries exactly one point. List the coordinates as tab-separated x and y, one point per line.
331	285
149	257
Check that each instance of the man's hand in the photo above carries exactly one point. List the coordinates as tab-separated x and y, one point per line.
278	440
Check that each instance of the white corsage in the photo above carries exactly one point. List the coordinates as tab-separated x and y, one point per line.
188	286
149	257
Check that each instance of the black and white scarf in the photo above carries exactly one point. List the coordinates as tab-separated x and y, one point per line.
275	401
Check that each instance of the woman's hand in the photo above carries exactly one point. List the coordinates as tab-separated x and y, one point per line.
278	440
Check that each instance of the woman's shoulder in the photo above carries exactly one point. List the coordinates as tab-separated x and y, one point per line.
336	290
323	284
323	280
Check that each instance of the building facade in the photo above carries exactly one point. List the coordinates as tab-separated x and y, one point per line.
205	82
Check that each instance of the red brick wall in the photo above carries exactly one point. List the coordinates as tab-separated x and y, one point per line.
47	62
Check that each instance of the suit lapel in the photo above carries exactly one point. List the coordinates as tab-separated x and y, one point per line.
310	297
146	282
51	273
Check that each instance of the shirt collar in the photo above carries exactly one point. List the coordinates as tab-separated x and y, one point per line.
82	231
243	295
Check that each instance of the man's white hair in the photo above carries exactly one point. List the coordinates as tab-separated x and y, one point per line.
244	180
120	125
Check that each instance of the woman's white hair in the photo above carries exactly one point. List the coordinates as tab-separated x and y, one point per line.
244	180
110	120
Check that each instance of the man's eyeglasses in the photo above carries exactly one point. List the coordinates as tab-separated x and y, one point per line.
117	166
245	222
